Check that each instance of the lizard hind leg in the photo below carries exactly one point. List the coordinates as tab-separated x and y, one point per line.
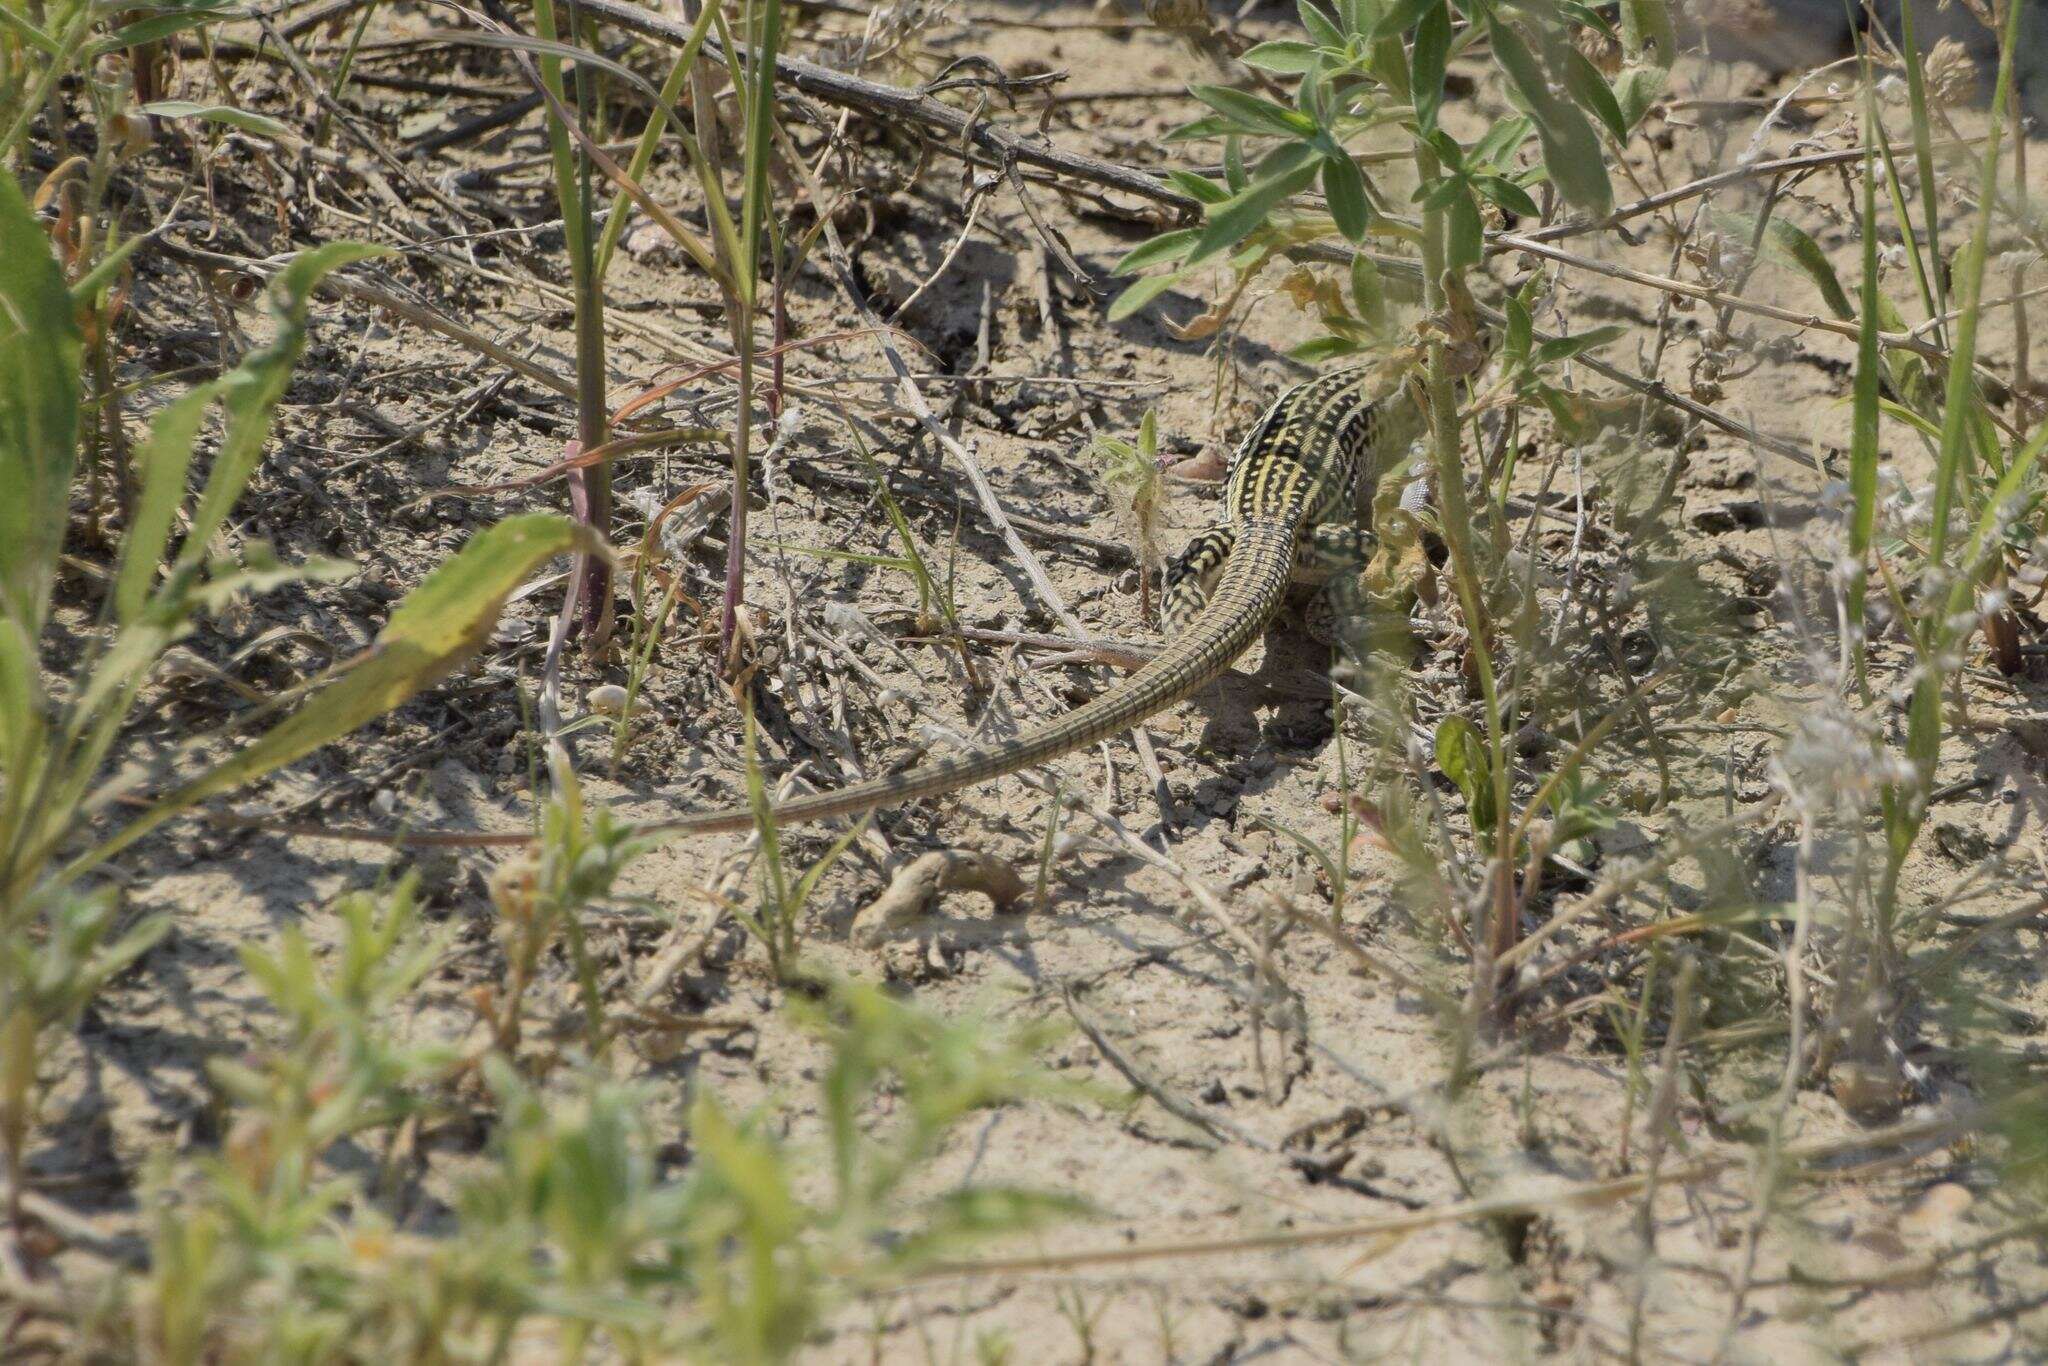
1335	555
1191	578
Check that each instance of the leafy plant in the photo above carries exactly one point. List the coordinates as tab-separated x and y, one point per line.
540	897
572	1233
57	734
779	908
1136	483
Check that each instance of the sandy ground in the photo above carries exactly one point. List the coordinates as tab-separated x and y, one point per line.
1329	1091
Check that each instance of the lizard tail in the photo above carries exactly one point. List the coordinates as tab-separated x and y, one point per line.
1249	592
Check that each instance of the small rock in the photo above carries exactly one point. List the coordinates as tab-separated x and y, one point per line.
648	241
607	699
1717	516
1205	468
1964	844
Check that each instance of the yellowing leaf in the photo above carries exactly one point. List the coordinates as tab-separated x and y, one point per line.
438	626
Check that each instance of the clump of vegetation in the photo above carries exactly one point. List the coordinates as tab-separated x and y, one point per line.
1136	482
576	1231
62	813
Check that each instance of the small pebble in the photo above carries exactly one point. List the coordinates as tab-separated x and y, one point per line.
607	699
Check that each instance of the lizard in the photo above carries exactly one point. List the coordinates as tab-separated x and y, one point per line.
1290	499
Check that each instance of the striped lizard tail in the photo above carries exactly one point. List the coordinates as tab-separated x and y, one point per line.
1247	595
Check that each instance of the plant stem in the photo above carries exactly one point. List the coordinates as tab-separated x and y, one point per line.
572	189
1456	517
746	293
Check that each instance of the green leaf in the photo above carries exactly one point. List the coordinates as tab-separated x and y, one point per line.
808	883
1141	293
1168	246
39	360
1248	113
1564	348
1571	155
24	723
1791	245
755	204
1500	141
1447	149
1233	164
87	286
150	622
1198	187
155	27
432	631
1427	62
1504	192
1207	126
1312	98
1636	89
1230	222
1571	149
1282	158
1366	294
1583	81
1466	246
260	571
1288	56
1586	17
1863	428
1441	192
164	460
1345	187
1462	757
1648	23
29	33
1919	422
1401	16
1520	330
219	113
1325	348
1320	26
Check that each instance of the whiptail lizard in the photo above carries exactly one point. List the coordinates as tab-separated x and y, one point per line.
1295	482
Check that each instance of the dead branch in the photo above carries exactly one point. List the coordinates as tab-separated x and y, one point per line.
898	105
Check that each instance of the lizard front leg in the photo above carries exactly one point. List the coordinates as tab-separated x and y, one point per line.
1192	577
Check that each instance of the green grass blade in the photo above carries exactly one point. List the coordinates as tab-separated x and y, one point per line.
1863	448
760	143
224	114
39	360
1923	725
164	460
250	394
1923	152
650	137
